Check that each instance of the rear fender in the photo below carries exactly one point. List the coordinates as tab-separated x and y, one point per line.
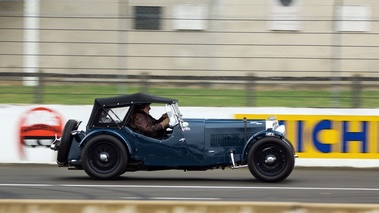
256	137
102	132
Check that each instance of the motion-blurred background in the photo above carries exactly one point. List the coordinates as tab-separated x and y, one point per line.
294	53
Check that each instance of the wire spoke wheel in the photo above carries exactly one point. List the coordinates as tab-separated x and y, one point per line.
104	157
271	159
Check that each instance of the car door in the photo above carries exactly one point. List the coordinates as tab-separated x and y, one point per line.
162	152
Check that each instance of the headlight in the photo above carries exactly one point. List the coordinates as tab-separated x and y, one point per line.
281	129
272	123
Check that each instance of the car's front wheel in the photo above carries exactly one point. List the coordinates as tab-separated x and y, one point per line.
104	157
271	159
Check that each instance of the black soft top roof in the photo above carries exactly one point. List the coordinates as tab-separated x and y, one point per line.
122	101
137	98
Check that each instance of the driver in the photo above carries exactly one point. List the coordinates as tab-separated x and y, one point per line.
144	123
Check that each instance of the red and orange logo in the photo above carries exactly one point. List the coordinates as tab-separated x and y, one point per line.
38	127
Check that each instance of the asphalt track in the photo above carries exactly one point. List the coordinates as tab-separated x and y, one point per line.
311	185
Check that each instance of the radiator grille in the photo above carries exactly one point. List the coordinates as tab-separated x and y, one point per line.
219	140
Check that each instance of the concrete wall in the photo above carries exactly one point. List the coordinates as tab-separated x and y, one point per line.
82	206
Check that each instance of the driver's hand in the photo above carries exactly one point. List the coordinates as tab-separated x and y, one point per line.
165	123
164	116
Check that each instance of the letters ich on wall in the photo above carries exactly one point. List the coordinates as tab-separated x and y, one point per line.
330	136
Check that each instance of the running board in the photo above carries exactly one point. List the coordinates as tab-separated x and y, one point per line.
234	163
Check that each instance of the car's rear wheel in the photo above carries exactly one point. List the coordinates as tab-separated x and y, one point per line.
104	157
271	159
66	141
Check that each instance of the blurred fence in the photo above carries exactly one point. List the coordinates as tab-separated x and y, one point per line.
251	46
248	84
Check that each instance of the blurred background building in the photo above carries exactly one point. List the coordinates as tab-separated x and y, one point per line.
333	39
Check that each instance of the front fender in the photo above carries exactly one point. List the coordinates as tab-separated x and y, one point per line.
107	132
256	137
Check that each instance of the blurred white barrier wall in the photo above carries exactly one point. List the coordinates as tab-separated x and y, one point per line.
22	123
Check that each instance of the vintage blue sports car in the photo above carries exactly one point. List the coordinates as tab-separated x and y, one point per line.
109	147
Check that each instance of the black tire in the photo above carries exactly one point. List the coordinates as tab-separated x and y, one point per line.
104	157
271	159
66	141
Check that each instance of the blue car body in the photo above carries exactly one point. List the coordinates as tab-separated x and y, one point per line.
106	150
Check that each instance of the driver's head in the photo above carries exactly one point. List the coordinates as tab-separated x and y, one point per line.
145	107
